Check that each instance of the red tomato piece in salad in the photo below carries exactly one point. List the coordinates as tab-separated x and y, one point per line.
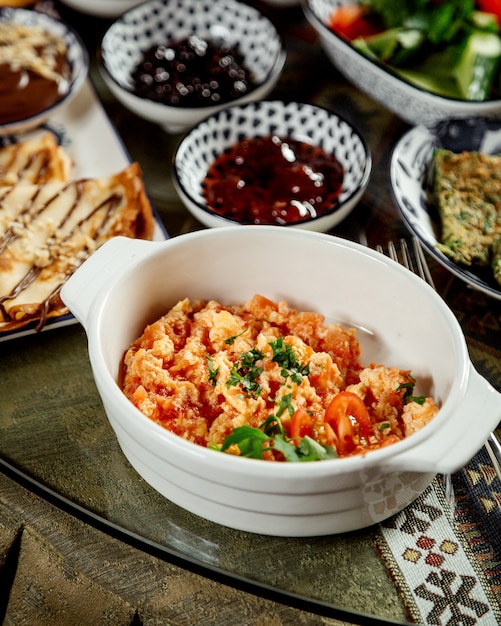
350	22
491	6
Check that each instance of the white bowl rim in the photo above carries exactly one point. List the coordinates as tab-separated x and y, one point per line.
74	84
102	8
367	170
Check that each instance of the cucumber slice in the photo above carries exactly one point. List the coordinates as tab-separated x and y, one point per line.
478	65
484	21
381	46
437	83
395	45
433	74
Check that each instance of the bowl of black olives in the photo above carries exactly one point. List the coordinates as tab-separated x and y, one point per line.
175	62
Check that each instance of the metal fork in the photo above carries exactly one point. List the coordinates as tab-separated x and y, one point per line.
400	252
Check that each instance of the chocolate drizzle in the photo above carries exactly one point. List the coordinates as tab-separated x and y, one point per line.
55	244
45	308
9	236
50	224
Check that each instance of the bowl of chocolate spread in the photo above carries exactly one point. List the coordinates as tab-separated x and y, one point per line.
43	63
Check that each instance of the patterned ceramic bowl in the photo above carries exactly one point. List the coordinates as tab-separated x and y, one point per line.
304	122
164	21
77	57
413	104
411	183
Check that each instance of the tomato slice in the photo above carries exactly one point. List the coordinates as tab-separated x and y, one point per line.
343	406
301	424
491	6
350	22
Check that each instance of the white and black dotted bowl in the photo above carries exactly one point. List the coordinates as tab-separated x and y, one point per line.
77	56
411	175
304	122
413	104
164	21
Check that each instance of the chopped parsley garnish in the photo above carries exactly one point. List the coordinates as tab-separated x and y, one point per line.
306	450
231	340
212	372
408	389
252	442
271	435
284	356
272	426
246	373
285	404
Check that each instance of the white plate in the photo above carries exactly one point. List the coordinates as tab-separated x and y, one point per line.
86	134
101	8
410	174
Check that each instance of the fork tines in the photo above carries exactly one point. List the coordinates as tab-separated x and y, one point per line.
415	261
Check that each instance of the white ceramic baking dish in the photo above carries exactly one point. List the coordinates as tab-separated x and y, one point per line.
401	320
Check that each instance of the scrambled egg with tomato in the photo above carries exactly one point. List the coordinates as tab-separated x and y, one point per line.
263	380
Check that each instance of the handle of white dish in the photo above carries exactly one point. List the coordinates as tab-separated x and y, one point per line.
479	414
100	270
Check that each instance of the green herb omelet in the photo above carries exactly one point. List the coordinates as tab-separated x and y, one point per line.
467	190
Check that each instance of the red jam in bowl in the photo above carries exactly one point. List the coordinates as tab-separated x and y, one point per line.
192	72
273	180
34	71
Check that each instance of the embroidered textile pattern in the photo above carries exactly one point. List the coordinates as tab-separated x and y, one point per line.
441	552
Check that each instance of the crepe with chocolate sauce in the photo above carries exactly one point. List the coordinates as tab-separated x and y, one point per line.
37	161
48	230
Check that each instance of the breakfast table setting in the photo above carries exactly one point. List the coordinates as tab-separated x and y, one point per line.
86	539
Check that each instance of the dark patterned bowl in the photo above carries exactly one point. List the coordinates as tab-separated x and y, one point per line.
411	179
303	122
163	21
77	57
